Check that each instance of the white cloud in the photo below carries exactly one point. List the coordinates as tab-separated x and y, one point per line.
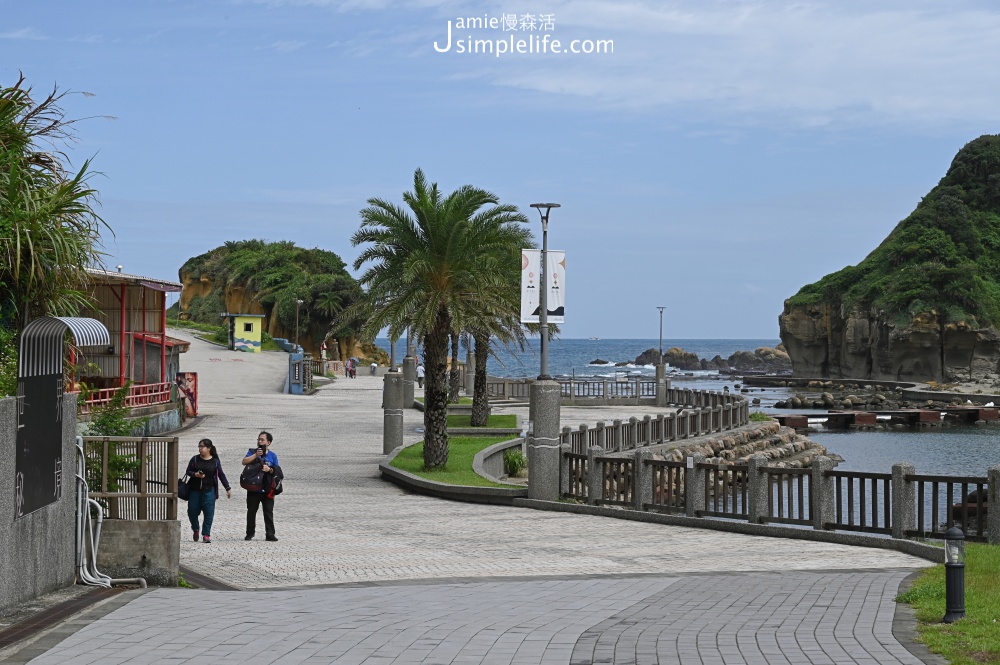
283	46
804	63
22	33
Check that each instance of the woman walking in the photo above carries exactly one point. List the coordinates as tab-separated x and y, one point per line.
205	471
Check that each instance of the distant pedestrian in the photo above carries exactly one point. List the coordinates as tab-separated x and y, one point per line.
354	370
374	368
255	499
420	375
347	369
205	472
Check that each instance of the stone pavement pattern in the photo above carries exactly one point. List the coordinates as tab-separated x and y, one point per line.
753	618
465	583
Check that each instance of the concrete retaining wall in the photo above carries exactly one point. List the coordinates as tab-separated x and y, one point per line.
37	551
144	548
488	462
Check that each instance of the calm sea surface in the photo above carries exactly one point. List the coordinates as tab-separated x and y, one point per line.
569	357
954	451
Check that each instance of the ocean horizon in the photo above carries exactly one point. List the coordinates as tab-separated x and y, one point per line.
574	357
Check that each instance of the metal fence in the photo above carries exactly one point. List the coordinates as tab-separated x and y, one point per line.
900	504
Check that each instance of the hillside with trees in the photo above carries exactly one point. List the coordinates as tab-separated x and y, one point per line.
260	277
924	304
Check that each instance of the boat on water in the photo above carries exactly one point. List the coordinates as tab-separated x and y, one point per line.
595	339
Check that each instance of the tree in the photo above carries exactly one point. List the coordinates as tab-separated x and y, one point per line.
49	230
432	265
505	325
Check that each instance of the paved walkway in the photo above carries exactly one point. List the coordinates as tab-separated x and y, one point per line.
364	572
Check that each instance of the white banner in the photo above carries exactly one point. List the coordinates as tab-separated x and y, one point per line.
531	264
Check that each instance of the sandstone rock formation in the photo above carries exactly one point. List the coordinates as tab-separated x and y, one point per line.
925	304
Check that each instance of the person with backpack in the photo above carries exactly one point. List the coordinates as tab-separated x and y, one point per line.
205	473
261	479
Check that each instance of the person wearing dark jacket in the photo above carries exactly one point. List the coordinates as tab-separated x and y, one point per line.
205	473
262	497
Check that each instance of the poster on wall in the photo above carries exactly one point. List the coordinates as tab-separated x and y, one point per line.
531	266
187	387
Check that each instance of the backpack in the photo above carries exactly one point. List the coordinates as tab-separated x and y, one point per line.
252	478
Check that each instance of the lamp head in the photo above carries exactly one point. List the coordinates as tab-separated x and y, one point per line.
543	210
954	546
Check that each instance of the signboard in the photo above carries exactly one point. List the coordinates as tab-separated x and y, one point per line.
38	461
38	458
531	267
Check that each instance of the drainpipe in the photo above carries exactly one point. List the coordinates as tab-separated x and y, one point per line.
87	540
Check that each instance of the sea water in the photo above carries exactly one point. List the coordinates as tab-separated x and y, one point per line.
962	451
574	357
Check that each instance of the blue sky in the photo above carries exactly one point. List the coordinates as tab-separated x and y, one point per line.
725	154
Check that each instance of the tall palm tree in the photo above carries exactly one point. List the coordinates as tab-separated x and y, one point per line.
505	324
431	265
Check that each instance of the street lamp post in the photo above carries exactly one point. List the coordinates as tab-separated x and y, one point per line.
298	304
661	308
661	370
543	408
543	306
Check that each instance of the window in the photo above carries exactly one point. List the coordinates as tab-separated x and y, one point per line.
248	327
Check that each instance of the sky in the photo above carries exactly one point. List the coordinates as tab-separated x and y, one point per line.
709	156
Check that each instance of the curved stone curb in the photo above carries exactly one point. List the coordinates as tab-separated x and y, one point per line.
928	552
481	460
492	495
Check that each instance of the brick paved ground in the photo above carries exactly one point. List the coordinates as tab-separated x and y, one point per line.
463	583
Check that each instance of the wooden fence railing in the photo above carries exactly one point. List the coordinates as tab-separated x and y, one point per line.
133	478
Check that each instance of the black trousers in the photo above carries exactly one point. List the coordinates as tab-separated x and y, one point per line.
255	499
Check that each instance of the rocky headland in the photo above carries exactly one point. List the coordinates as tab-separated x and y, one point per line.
764	360
925	304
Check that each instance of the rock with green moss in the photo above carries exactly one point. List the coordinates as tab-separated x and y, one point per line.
923	305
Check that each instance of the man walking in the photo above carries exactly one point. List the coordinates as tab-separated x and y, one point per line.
268	461
420	375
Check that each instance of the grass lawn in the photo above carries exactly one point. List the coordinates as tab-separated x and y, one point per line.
504	420
458	471
976	638
461	400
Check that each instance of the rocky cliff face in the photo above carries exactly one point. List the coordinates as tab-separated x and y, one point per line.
823	340
925	304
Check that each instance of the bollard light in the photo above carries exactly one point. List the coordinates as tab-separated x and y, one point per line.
954	575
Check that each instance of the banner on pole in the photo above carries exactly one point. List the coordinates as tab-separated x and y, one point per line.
531	266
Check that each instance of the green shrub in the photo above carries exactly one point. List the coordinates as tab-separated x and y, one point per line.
759	417
514	462
112	419
8	363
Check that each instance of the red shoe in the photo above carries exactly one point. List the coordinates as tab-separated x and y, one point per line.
206	539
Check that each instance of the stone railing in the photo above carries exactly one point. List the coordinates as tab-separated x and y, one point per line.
700	413
901	504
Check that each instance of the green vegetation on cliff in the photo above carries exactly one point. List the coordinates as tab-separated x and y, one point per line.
275	274
944	257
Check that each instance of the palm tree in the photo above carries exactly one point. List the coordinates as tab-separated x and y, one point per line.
49	230
505	325
431	265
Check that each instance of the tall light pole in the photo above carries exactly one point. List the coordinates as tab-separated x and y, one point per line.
661	308
543	316
298	304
